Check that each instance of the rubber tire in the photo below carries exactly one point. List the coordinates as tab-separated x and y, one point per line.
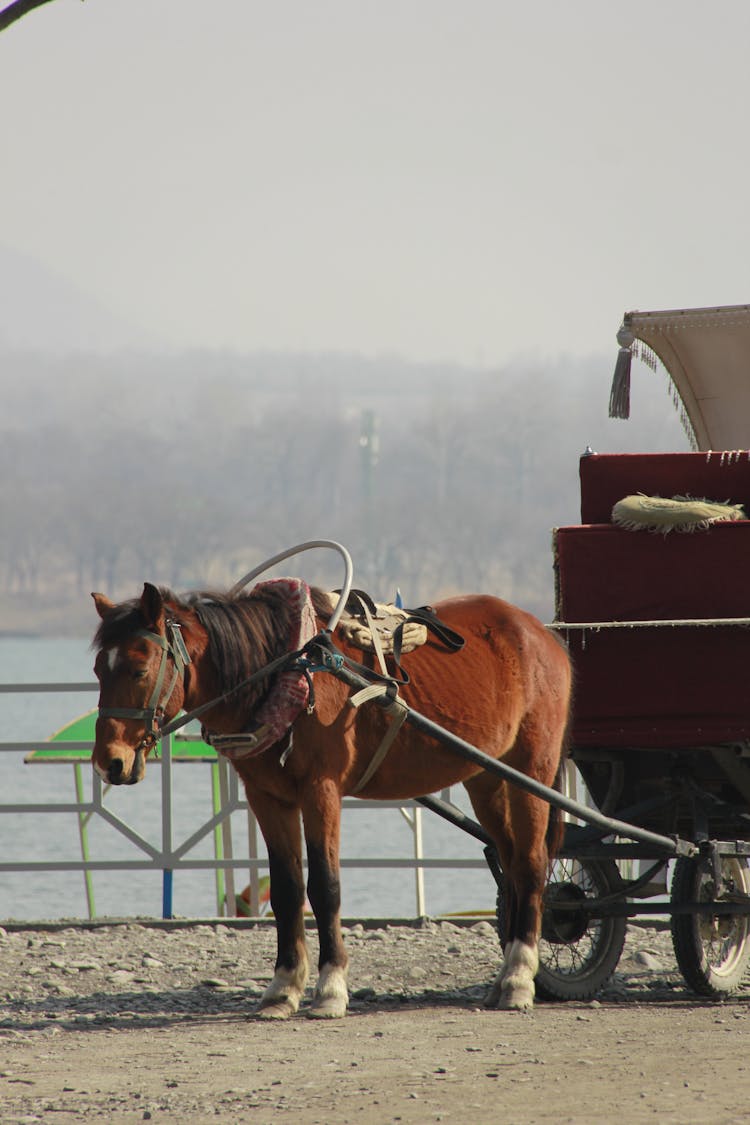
712	964
579	968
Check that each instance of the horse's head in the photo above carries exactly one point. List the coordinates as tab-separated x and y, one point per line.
140	664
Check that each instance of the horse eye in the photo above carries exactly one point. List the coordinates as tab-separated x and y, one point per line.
138	673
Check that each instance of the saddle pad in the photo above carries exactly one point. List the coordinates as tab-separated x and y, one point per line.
356	628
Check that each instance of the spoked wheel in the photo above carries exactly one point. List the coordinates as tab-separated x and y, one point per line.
577	952
712	950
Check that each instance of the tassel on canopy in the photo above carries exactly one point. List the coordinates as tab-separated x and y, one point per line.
619	396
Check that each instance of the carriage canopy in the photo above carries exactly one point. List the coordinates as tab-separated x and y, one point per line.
706	353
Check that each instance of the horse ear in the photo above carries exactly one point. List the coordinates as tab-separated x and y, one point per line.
103	605
152	606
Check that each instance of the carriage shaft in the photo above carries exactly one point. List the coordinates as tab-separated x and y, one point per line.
671	846
666	845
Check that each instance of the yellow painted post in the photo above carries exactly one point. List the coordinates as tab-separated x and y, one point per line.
218	842
83	832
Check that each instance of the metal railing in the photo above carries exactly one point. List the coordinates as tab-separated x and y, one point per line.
173	856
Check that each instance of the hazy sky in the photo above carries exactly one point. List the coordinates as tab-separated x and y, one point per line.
445	179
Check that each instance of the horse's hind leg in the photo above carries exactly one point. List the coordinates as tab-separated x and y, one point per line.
322	820
527	876
280	825
517	823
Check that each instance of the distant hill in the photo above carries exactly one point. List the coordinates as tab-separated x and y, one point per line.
43	311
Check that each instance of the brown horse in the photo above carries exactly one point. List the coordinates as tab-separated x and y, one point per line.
506	692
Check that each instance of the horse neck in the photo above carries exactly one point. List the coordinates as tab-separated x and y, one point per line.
227	644
201	681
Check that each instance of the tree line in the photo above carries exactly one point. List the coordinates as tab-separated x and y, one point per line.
190	470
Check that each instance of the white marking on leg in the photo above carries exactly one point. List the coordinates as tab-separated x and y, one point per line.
492	999
331	997
517	983
282	997
506	958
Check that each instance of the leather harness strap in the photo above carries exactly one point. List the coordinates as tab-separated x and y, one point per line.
397	709
386	684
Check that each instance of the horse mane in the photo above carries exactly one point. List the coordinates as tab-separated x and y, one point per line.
245	631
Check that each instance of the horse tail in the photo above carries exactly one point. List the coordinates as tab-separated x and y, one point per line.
556	824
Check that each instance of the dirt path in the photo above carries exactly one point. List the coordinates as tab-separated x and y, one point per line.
128	1023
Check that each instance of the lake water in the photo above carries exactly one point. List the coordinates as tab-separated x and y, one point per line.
28	717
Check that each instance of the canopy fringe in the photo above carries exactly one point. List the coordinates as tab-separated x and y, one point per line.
645	354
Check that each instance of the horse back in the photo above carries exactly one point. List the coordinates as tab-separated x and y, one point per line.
505	640
511	674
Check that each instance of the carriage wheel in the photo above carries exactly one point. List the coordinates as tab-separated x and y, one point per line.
712	950
577	952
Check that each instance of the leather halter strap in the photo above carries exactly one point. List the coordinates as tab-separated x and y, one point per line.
172	645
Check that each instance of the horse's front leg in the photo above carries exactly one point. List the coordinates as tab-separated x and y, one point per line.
281	828
322	819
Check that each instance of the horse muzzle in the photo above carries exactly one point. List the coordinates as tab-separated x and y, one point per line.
118	772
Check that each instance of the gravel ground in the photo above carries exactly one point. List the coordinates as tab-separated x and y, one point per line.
135	1022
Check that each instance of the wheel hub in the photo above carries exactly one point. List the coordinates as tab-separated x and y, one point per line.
564	920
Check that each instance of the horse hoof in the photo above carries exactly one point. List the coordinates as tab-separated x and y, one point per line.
518	1000
492	999
327	1008
275	1010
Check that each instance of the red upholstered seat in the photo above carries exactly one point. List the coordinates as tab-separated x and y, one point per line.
605	573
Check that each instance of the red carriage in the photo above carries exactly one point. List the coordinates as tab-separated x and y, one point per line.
658	627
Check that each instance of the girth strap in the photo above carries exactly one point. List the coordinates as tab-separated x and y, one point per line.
383	683
397	709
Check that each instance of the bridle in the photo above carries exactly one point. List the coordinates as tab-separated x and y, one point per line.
171	645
